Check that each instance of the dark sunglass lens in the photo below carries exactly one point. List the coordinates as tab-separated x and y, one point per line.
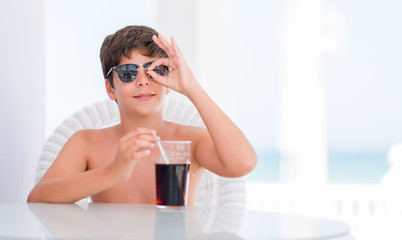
127	73
157	70
164	70
127	77
161	70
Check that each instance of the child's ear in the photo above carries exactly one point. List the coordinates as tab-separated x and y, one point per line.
110	90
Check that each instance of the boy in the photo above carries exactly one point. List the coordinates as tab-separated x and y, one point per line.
116	164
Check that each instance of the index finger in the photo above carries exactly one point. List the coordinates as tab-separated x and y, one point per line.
158	62
176	48
164	44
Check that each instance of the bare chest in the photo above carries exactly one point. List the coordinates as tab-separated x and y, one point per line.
141	186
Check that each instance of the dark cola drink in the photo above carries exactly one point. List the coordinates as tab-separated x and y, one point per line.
171	184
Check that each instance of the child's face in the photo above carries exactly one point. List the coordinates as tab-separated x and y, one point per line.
143	93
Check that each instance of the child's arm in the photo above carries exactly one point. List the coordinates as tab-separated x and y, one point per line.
67	180
223	149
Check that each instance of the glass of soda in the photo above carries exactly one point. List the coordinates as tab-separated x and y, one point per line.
172	173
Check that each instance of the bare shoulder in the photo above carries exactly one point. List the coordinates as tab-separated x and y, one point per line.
84	142
81	147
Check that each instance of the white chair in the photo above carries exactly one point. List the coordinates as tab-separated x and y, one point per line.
213	190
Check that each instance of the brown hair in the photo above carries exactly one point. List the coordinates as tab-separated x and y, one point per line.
123	42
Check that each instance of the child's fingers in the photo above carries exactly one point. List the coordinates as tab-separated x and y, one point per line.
164	44
141	154
176	47
158	78
140	143
132	135
158	42
160	61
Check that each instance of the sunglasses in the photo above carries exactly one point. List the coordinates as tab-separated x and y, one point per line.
128	72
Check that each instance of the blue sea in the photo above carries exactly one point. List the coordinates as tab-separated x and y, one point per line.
351	167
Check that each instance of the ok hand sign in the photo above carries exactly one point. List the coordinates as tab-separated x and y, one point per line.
180	79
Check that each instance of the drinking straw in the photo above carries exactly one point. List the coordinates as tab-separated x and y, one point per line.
162	152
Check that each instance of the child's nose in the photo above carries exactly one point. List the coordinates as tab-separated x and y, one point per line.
142	78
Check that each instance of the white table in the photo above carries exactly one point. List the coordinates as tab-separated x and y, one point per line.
131	221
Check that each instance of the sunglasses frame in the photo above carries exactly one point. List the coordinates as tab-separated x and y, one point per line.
137	66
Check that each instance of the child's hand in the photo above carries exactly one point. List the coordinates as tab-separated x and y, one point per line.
133	146
180	79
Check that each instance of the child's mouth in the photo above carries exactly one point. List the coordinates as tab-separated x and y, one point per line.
144	97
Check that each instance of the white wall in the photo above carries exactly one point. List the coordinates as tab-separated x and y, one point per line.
21	95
